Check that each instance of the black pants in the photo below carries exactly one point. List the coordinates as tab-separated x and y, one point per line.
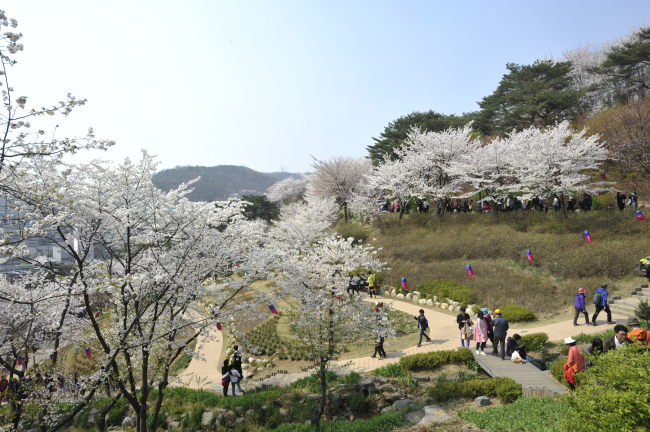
372	292
578	312
480	346
379	349
598	309
500	341
225	389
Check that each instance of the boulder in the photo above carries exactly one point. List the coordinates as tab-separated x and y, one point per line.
400	296
435	298
455	303
229	417
416	298
436	304
379	380
444	305
173	425
391	397
451	308
388	388
408	296
207	419
415	416
402	404
417	293
422	378
433	414
482	401
393	293
429	302
423	301
386	409
128	422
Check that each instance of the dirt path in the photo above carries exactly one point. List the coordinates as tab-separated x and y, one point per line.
205	372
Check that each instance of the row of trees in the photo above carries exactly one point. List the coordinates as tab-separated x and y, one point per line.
136	262
584	81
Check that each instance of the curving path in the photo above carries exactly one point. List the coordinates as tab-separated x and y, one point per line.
205	372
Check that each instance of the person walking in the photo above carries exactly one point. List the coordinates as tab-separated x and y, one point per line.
500	332
463	320
488	320
579	306
225	377
379	348
423	324
600	300
371	284
480	333
234	379
575	362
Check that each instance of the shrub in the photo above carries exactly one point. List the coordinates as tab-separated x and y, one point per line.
392	370
540	415
351	378
447	289
617	383
535	341
436	359
358	403
357	232
583	338
506	389
514	313
381	423
557	369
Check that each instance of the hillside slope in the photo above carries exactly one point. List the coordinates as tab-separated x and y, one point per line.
218	182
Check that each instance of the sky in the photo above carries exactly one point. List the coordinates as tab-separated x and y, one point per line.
269	84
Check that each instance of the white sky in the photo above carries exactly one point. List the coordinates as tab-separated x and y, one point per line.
266	84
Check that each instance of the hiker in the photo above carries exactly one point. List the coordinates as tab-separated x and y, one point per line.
371	284
619	338
236	361
234	379
423	324
637	334
379	348
225	377
480	333
488	320
500	331
620	200
600	300
575	362
464	322
579	306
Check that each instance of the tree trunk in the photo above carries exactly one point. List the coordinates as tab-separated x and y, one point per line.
101	421
141	425
441	208
563	211
345	211
315	420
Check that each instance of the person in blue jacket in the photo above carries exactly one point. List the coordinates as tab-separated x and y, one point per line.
600	300
580	307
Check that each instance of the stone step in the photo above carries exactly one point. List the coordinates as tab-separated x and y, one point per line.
622	310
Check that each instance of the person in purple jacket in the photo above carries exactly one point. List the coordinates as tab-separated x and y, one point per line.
580	307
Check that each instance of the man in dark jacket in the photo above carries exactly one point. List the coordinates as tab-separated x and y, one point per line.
618	340
580	307
500	326
423	324
601	304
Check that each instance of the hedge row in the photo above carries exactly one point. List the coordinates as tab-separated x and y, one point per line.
445	289
506	389
514	313
436	359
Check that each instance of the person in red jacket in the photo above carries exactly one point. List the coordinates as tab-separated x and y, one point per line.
575	363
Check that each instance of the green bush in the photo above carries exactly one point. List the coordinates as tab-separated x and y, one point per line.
351	378
506	389
358	403
514	313
312	382
524	414
614	394
584	338
381	423
436	359
535	341
447	289
116	414
556	368
392	370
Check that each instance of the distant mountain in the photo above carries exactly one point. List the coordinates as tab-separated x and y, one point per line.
218	182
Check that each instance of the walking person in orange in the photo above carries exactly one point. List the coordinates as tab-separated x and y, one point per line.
575	363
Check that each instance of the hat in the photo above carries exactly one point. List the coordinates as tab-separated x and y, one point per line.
497	311
569	340
581	290
484	310
633	321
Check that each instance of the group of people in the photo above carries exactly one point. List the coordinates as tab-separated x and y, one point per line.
486	328
631	201
231	373
357	283
600	301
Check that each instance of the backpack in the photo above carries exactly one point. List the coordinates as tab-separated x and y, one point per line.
225	379
424	323
597	299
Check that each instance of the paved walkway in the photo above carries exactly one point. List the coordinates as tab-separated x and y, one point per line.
205	373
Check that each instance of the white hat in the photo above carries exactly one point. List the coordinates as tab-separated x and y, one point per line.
569	340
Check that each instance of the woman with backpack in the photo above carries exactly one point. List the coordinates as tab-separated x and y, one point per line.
225	377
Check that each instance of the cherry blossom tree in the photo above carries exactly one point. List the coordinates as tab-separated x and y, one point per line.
287	190
339	178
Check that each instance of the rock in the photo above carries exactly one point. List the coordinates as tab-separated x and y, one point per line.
379	380
402	404
416	298
455	303
229	417
239	411
388	388
408	296
444	305
259	369
391	397
393	293
429	302
173	425
207	419
433	414
415	416
435	298
482	401
422	378
128	422
245	366
366	383
285	411
92	416
386	409
451	308
423	301
437	304
238	420
400	296
417	293
251	360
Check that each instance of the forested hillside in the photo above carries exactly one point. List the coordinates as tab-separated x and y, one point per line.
218	182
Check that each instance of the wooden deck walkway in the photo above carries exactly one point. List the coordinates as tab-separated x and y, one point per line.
534	382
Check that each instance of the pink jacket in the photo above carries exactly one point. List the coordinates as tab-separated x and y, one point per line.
480	331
